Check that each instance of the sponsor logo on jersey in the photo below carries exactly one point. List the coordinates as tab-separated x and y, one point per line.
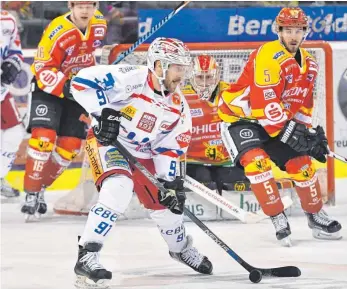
246	133
274	112
99	17
278	55
206	128
48	78
289	78
196	112
67	40
54	32
183	139
128	112
93	155
70	49
114	158
127	68
269	94
80	59
147	122
99	32
295	91
216	142
38	66
130	88
96	43
165	125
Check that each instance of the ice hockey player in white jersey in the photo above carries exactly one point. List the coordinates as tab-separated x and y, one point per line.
143	107
12	131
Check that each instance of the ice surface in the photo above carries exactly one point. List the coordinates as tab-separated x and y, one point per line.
42	254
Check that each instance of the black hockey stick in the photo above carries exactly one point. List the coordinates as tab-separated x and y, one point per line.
154	29
255	273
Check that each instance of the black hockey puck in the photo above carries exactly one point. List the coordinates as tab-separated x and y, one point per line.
255	276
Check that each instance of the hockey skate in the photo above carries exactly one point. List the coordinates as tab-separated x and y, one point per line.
34	205
323	227
30	206
192	258
7	191
89	272
282	228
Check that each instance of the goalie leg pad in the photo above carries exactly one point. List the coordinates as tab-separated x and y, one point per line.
257	165
114	198
66	149
171	228
39	151
303	173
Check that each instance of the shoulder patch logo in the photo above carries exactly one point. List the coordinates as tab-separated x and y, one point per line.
278	55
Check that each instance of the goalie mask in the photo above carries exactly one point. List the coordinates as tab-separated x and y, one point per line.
205	75
168	51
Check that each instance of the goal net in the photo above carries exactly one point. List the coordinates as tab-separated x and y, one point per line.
232	57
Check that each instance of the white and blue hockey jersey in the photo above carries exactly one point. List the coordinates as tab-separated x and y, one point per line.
153	126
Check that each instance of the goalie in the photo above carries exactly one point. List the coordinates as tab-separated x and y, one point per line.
267	116
208	160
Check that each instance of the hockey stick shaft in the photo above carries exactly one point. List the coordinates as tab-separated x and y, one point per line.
219	201
226	205
337	156
154	29
287	271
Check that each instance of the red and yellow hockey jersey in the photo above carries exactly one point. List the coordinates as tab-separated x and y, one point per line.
64	50
272	89
206	146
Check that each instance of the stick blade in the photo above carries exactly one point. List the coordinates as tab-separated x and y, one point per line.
287	271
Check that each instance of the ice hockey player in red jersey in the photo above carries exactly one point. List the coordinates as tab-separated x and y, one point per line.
12	131
57	123
267	116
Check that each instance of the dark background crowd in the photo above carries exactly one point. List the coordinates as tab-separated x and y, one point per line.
34	16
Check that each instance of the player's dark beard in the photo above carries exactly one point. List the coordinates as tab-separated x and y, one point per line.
286	46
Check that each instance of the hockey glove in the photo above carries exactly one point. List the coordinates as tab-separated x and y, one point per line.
321	148
175	198
107	129
297	136
10	69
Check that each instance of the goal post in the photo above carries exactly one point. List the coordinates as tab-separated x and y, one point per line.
233	55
